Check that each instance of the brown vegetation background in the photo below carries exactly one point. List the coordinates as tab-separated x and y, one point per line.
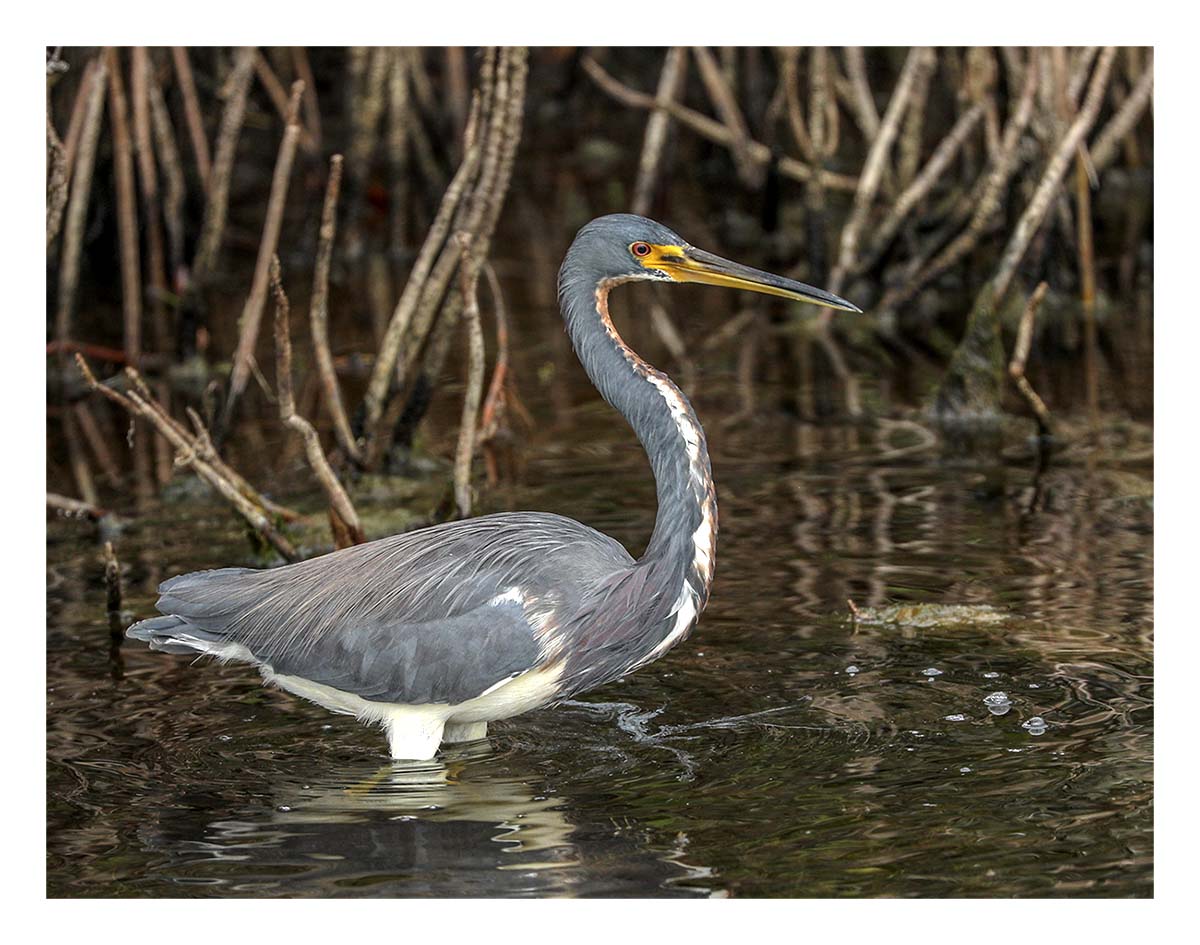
989	208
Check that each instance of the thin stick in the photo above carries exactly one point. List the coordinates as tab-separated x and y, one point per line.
81	188
469	281
200	441
458	88
987	203
861	98
312	108
495	404
319	314
668	333
670	84
478	215
191	111
365	120
127	216
707	128
148	182
252	312
504	87
399	121
1080	67
723	100
85	483
74	507
113	595
1020	355
790	77
212	231
279	97
56	181
389	348
919	59
79	111
1124	121
922	184
95	440
1039	203
175	189
343	519
203	445
187	454
909	146
1087	285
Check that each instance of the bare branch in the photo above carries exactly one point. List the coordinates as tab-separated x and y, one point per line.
1020	355
920	58
212	231
252	312
465	452
1124	121
707	128
319	314
1039	203
343	518
724	101
81	190
670	85
187	454
191	111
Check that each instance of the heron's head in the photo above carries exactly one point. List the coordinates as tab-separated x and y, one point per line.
623	246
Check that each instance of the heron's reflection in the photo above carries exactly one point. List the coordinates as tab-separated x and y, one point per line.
476	822
457	791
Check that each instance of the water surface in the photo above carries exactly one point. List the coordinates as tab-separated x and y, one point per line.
786	749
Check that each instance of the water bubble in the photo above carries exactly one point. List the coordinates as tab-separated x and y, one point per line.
851	670
998	703
991	675
1035	726
224	738
964	770
932	671
1034	685
957	717
283	809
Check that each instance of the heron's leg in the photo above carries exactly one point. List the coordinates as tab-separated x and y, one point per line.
414	733
465	732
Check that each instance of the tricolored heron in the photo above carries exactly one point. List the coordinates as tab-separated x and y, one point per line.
437	632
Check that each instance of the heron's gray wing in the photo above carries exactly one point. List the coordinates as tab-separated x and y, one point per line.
444	661
439	614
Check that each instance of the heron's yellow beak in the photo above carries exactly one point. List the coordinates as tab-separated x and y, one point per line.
688	264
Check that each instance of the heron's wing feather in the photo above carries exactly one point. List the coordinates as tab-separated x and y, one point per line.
444	661
436	615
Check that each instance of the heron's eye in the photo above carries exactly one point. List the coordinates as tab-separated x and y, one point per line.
640	249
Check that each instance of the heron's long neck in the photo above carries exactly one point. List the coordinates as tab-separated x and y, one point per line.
686	526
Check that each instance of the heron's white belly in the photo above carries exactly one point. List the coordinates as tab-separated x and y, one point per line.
415	731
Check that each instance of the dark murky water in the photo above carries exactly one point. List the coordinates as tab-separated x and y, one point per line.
784	750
